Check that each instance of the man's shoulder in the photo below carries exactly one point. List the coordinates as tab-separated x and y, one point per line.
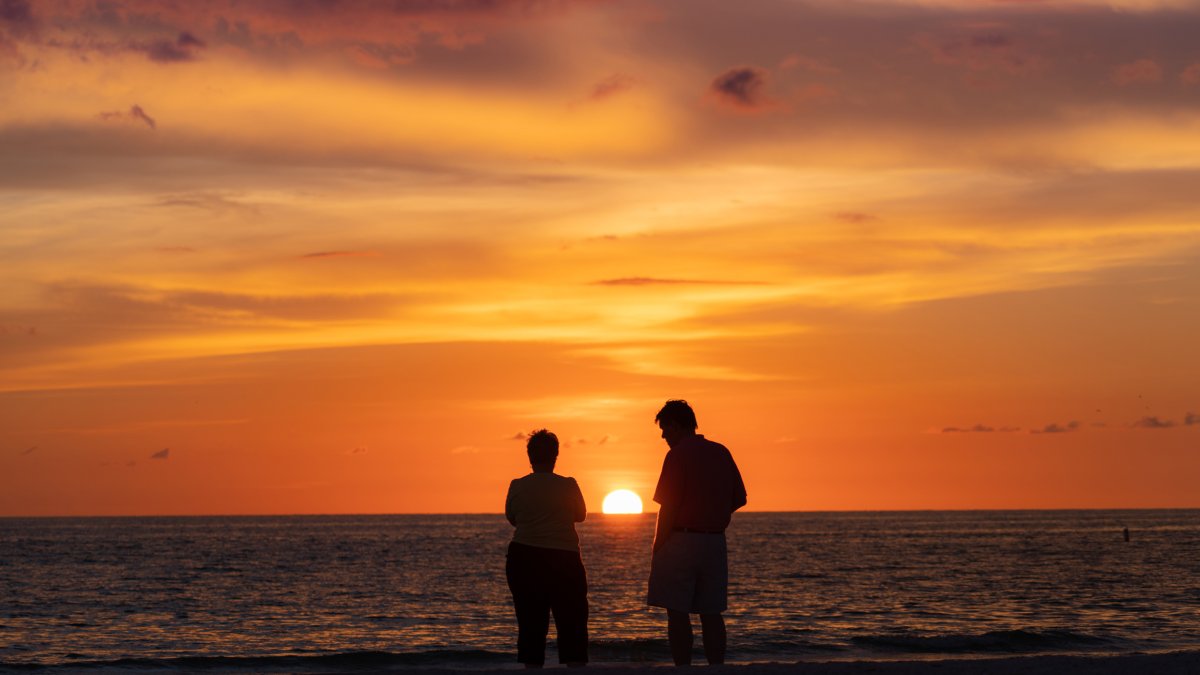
709	444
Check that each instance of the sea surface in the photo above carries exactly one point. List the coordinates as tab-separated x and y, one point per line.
337	593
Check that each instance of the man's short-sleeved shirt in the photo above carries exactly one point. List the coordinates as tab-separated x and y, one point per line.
700	479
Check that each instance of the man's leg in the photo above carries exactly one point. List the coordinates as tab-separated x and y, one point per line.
570	607
713	628
679	634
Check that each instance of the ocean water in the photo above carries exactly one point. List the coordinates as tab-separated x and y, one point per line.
312	593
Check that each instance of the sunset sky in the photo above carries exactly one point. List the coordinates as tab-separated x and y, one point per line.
305	256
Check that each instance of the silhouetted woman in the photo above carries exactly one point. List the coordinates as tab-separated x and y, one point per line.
544	568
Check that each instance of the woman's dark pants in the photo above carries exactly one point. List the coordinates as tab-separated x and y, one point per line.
544	580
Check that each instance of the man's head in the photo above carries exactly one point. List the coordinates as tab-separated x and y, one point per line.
542	448
677	421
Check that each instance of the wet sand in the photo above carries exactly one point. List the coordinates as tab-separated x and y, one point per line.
1176	663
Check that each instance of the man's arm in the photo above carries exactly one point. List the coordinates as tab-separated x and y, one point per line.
666	523
666	493
739	488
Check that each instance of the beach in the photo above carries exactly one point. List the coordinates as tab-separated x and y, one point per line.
1174	663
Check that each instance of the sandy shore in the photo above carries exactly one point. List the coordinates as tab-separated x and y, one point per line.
1177	663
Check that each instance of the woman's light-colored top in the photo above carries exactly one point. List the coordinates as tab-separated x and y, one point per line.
544	508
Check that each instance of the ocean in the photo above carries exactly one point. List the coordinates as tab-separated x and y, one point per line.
337	593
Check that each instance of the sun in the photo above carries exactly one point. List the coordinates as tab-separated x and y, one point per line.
622	501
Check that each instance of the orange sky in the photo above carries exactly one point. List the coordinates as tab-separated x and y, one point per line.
323	257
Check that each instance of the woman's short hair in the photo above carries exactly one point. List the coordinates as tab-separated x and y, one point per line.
542	447
678	412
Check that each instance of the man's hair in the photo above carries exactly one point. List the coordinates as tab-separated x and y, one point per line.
680	413
542	447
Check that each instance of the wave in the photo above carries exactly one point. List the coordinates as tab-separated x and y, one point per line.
601	651
345	661
992	642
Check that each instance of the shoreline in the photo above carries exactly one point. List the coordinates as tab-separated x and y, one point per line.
1181	662
1185	662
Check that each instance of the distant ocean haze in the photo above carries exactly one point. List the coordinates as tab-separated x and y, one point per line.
312	592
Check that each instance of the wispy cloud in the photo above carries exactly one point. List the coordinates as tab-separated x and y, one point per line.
182	48
1153	422
654	281
29	451
743	88
855	217
340	254
165	453
135	113
1055	428
979	429
611	86
1142	71
1191	419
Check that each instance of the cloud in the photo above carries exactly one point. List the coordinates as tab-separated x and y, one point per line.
16	13
611	86
1142	71
339	254
1191	74
652	281
357	450
978	428
741	87
206	200
183	48
989	49
165	453
855	217
29	451
808	63
1055	428
1153	423
135	113
519	436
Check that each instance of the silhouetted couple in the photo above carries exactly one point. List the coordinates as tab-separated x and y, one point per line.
698	490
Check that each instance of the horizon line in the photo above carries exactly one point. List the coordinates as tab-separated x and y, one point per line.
589	513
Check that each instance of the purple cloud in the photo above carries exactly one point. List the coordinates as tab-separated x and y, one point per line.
978	428
183	48
135	112
1154	423
16	12
1055	428
611	86
741	87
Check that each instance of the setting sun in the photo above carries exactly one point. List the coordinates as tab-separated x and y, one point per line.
622	501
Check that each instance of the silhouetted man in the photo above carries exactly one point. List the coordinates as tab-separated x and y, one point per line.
698	490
